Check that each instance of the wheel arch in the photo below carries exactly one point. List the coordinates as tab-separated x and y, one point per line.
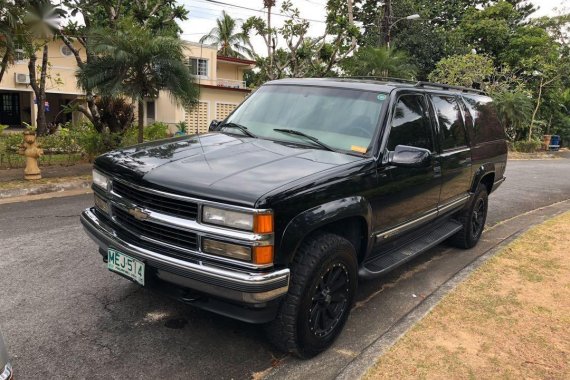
485	174
349	217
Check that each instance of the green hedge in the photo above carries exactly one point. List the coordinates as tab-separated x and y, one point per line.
72	144
526	146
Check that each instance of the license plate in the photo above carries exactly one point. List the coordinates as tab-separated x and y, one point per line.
126	265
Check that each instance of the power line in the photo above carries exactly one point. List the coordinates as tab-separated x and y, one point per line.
221	3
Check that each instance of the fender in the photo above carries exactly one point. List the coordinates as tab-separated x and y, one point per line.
314	218
483	170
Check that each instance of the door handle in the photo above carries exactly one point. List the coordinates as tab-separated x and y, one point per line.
437	171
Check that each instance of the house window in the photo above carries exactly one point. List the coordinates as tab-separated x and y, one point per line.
19	53
66	51
199	67
150	111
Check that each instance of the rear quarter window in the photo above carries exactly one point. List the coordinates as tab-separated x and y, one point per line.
485	124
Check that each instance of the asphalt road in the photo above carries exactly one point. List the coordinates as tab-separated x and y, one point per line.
64	315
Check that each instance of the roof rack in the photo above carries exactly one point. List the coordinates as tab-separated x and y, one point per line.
382	79
421	84
448	87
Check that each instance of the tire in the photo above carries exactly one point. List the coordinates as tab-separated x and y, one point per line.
473	220
324	277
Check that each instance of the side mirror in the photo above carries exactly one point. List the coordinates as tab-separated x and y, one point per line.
213	125
409	157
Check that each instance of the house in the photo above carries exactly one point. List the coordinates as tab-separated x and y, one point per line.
221	84
220	80
17	100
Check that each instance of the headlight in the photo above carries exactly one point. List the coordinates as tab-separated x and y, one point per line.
100	180
259	223
226	218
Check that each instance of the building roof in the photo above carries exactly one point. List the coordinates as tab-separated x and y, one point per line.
236	60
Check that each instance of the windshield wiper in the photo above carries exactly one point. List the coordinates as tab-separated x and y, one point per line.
309	137
240	127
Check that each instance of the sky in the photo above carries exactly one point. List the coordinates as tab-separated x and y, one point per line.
203	14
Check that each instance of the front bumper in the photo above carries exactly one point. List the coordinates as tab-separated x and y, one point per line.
249	288
6	373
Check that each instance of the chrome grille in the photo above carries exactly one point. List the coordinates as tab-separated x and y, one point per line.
183	209
168	235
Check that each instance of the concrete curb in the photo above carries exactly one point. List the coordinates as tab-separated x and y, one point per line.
358	367
47	188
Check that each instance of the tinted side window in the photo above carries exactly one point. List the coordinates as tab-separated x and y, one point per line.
410	125
486	124
450	121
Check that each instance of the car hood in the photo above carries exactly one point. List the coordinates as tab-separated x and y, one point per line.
219	166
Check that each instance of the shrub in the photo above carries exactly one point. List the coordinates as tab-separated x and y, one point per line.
154	131
526	146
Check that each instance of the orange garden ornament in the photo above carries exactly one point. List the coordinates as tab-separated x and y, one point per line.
32	151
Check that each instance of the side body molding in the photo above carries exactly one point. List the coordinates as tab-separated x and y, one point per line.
312	219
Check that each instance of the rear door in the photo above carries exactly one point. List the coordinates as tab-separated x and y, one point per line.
454	151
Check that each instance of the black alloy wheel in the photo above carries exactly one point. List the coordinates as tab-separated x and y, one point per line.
324	278
330	297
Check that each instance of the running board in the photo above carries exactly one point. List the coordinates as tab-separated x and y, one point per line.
380	265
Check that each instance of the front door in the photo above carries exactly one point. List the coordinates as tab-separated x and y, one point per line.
10	109
455	153
406	197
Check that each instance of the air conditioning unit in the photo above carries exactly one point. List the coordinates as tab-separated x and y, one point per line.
22	78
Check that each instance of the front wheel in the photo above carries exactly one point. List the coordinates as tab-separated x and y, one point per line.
321	294
473	220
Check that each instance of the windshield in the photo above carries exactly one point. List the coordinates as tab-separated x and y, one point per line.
343	119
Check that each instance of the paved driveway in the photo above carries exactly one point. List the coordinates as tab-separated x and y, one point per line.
65	316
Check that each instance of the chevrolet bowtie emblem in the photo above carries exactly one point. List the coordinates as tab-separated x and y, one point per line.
139	213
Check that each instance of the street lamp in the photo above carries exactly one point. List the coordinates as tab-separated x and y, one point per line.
410	17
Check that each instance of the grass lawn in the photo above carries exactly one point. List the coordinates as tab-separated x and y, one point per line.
509	320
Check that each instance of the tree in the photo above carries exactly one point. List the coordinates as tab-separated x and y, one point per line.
470	70
159	16
304	55
39	22
230	41
8	24
137	63
381	62
514	110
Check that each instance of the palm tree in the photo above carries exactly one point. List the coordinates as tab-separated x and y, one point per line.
138	63
514	110
380	62
232	43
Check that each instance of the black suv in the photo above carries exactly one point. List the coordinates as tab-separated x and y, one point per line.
307	187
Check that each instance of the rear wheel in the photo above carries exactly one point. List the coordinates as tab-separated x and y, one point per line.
321	293
473	220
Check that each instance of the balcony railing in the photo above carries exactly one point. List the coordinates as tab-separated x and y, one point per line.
230	83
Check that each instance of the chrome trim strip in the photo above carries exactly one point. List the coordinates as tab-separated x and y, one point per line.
199	254
454	151
453	204
190	199
105	236
237	236
407	225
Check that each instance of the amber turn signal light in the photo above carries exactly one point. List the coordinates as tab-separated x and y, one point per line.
263	223
263	254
